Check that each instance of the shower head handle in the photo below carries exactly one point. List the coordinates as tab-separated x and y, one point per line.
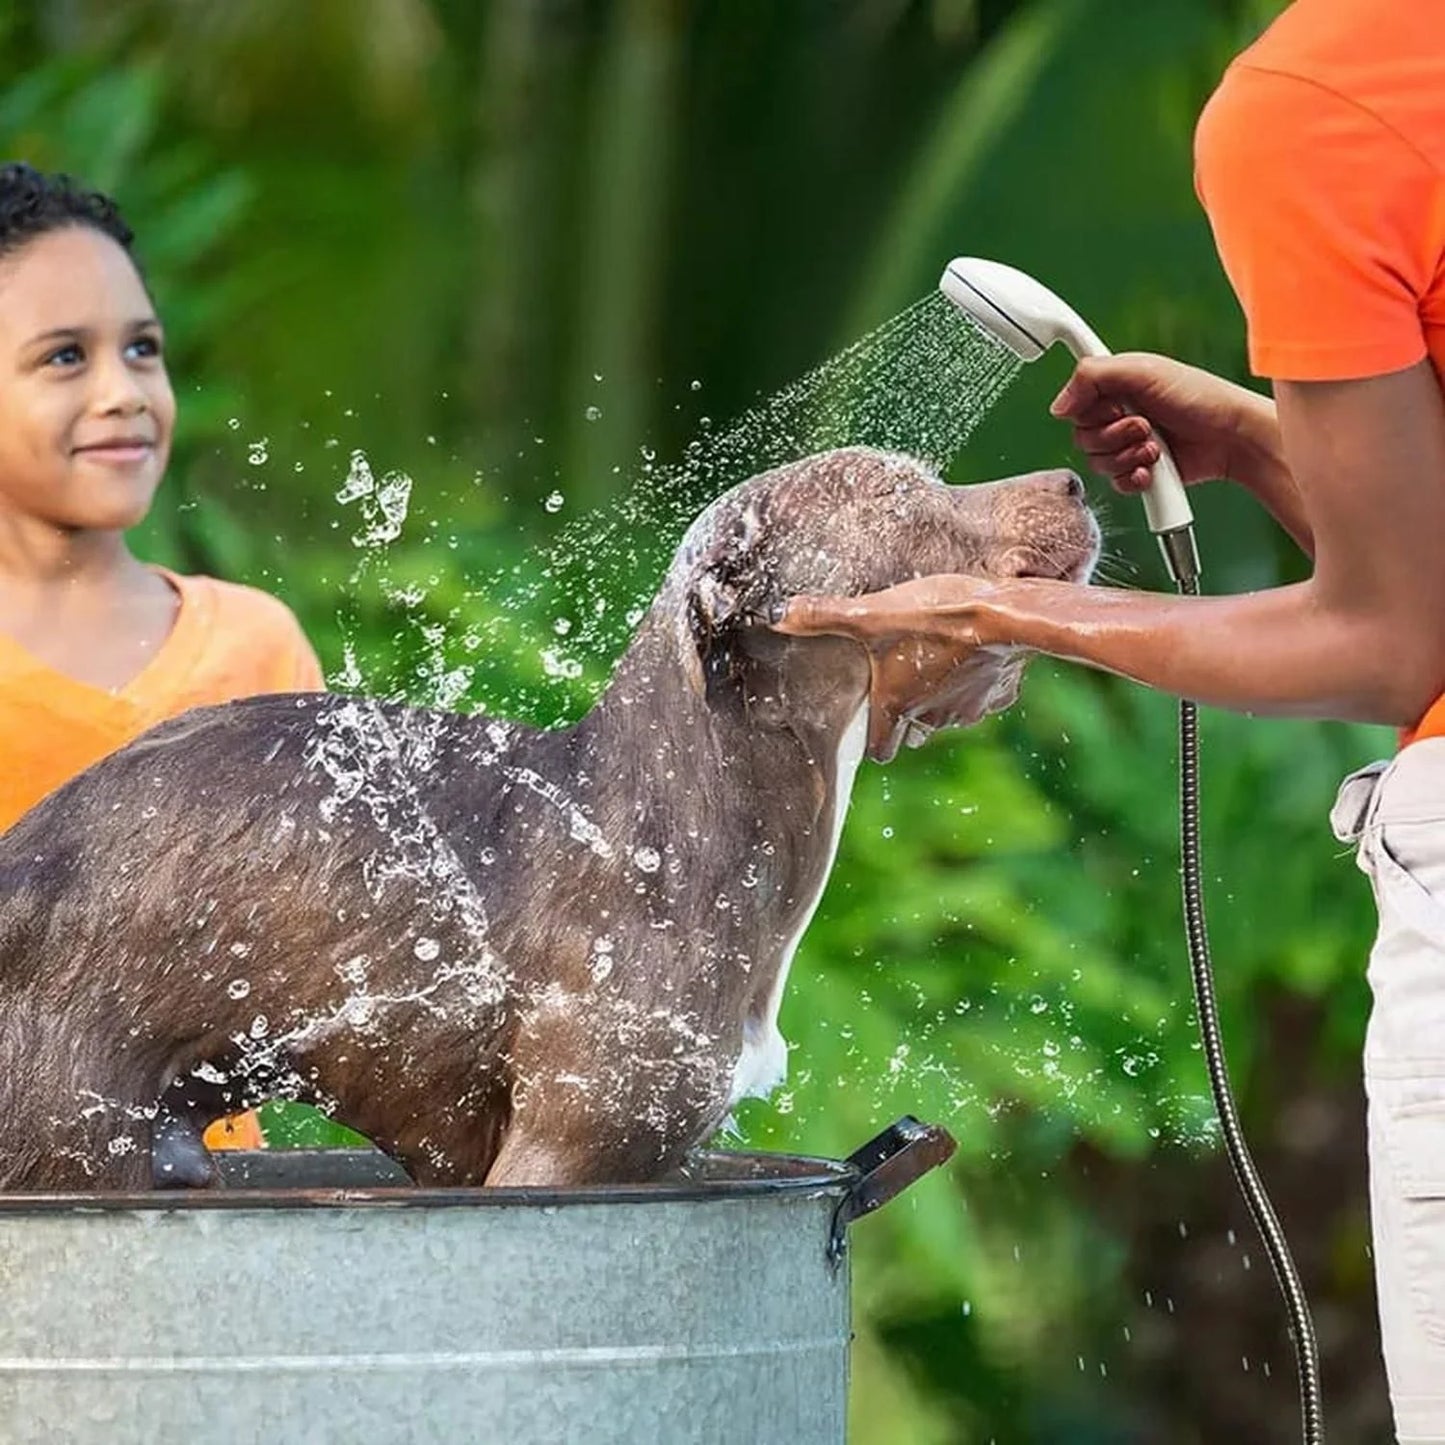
1026	317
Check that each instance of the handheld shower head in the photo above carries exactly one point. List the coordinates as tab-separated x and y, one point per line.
1015	309
1027	318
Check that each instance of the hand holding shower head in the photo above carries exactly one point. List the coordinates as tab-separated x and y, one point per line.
1028	318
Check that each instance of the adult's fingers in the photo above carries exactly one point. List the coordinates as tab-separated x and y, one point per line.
1103	388
807	615
1086	405
1113	437
1090	396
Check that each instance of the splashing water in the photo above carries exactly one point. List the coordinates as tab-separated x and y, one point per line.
920	384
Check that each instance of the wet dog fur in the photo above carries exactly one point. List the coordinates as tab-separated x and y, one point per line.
505	955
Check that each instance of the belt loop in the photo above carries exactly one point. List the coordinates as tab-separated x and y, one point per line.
1357	802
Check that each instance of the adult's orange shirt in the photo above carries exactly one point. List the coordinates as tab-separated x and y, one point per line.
227	642
1320	161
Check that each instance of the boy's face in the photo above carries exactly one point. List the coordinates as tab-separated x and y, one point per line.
86	407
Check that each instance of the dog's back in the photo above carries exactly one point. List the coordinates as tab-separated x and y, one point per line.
152	909
337	899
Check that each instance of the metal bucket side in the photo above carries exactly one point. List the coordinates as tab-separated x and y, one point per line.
707	1314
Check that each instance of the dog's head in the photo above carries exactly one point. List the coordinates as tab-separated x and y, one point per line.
849	522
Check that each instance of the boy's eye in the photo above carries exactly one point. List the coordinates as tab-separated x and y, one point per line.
147	347
68	355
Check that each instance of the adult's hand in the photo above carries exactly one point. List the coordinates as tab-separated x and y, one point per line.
1121	406
931	664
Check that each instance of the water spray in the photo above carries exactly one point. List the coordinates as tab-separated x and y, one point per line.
1027	318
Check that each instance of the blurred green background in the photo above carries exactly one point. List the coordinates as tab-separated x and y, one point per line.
525	254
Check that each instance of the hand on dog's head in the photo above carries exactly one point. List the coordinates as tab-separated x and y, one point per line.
848	545
919	680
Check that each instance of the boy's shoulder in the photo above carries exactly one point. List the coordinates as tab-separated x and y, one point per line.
234	606
232	640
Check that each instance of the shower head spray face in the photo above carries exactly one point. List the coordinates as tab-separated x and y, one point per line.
1016	310
1028	318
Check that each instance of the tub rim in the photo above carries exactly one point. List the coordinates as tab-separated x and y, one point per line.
771	1175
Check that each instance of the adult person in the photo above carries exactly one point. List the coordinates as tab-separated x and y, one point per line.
1320	162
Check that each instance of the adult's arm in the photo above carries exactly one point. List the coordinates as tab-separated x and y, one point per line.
1363	639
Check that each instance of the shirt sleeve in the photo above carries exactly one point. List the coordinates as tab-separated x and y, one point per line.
287	661
308	676
1322	218
257	646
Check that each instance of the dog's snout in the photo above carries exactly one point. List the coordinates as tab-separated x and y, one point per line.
1057	484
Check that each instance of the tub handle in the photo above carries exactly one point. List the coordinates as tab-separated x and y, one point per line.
887	1164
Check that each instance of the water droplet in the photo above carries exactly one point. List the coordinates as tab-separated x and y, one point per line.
427	949
593	413
696	385
238	988
557	664
648	860
257	454
554	502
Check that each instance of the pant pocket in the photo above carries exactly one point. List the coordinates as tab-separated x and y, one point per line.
1415	1147
1353	801
1406	1035
1406	862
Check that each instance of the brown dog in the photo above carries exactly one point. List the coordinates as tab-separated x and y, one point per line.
504	955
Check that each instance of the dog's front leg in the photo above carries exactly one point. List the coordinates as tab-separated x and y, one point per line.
541	1163
615	1109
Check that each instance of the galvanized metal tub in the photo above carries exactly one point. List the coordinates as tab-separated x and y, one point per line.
322	1299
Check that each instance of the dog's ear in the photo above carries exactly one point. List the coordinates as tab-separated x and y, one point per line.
725	576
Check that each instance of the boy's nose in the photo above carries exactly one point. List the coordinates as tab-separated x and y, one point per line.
118	392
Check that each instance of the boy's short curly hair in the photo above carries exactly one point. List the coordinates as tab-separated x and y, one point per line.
33	203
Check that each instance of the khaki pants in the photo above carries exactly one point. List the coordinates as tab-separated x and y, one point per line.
1395	811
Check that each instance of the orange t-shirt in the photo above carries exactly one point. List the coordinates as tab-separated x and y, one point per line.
1320	161
227	642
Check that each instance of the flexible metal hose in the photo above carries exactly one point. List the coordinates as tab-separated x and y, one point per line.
1302	1331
